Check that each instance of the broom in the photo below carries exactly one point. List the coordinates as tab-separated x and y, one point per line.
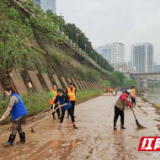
137	122
32	128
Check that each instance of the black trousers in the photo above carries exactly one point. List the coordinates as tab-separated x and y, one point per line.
117	113
70	111
73	107
58	110
133	100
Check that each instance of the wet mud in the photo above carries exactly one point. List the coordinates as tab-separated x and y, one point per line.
94	140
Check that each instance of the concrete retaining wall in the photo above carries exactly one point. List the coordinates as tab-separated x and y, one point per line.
44	82
35	81
18	82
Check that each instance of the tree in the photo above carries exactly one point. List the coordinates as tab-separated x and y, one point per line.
106	83
94	75
14	35
78	37
120	76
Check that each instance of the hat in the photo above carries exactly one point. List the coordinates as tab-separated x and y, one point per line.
129	91
70	83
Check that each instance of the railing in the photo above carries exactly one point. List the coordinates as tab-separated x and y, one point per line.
67	41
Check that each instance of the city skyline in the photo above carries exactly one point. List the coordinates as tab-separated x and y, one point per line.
105	21
46	5
113	52
142	57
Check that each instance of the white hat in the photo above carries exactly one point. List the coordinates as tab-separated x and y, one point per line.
129	91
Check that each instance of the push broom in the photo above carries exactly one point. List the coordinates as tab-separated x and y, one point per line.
137	122
32	128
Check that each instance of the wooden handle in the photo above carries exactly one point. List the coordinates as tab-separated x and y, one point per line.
133	113
44	117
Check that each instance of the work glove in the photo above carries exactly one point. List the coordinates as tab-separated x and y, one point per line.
129	104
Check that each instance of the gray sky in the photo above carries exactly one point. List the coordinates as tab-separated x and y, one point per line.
107	21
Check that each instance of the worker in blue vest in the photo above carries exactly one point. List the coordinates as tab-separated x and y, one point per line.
65	105
18	113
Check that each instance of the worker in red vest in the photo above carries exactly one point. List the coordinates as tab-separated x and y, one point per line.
53	95
71	91
120	105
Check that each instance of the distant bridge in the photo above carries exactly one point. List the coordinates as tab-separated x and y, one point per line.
144	78
144	75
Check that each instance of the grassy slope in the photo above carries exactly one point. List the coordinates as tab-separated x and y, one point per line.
37	102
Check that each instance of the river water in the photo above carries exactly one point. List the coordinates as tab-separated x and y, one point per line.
153	96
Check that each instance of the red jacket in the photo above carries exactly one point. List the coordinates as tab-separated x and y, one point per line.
123	101
123	97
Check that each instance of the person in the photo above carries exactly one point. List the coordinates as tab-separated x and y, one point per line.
65	104
53	95
120	105
71	91
18	113
111	90
133	96
116	90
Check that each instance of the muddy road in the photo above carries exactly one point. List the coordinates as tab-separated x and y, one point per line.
94	140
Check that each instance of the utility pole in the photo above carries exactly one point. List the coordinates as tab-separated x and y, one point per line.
85	47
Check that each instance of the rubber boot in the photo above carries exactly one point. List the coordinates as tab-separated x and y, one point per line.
122	127
115	128
22	137
60	126
10	141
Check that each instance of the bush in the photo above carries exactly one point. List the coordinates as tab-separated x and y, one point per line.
94	75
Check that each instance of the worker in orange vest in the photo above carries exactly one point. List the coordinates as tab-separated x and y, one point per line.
71	91
53	95
133	95
111	90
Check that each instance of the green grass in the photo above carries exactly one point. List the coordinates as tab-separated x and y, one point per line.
37	102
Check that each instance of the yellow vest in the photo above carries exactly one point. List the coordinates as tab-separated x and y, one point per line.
54	96
133	92
72	94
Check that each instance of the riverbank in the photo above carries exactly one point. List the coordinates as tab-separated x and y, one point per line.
94	139
144	104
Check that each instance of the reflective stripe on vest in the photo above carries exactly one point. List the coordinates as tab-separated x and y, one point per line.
72	94
54	96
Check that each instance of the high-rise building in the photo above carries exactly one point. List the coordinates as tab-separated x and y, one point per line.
142	56
156	68
113	52
46	5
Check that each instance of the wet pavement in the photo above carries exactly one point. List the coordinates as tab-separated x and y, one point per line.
95	138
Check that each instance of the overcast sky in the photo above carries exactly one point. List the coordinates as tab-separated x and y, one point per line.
107	21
